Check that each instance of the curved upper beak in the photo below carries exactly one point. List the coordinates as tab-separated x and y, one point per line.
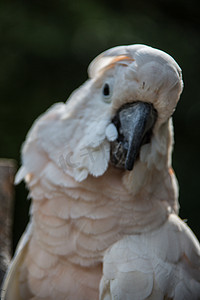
134	123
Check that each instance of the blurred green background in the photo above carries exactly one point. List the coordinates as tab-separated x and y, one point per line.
46	47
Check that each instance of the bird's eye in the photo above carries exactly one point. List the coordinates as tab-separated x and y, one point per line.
106	92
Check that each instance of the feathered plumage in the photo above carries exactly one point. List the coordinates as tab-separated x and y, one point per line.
104	207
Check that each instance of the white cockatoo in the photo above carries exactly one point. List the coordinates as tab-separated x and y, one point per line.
104	216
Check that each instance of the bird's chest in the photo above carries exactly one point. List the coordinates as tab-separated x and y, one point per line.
72	231
81	221
45	275
73	228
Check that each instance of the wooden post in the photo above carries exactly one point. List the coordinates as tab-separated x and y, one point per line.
7	171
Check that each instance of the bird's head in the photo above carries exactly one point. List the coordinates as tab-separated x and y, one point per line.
118	117
134	91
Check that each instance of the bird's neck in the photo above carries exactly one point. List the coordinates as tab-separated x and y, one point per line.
90	216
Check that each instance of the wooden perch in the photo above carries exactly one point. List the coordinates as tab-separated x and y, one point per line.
7	171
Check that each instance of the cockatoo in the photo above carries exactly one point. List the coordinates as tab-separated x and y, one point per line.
104	216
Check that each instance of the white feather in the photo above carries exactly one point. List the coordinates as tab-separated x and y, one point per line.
160	258
111	132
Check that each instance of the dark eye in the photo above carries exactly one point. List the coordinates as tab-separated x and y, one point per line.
106	90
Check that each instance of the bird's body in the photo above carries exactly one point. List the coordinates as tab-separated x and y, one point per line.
104	225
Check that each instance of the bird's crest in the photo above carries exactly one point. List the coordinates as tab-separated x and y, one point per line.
103	63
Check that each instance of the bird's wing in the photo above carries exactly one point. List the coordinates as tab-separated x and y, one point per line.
164	263
10	287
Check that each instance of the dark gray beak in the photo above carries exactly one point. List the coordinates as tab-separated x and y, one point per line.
134	123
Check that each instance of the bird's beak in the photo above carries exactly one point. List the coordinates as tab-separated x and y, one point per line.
134	123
